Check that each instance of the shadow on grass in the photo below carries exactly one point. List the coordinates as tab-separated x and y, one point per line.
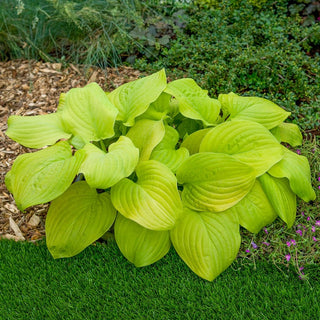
100	283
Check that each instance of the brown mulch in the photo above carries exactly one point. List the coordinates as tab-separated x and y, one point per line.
30	87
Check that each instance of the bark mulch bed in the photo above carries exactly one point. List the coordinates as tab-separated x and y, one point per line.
30	87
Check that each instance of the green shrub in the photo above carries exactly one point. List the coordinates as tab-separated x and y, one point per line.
252	52
136	177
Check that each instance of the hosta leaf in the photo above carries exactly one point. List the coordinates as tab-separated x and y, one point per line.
76	219
246	141
103	170
145	135
173	107
188	126
153	201
194	102
158	109
254	109
288	132
207	242
254	210
281	197
87	112
61	103
166	153
296	168
213	181
77	142
37	131
192	142
133	98
139	245
42	176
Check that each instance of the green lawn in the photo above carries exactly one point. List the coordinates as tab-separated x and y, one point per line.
100	284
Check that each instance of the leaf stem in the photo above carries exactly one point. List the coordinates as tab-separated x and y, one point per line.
102	145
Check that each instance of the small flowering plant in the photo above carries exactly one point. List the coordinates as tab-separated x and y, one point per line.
159	164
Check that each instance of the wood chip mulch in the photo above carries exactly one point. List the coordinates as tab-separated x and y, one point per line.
30	87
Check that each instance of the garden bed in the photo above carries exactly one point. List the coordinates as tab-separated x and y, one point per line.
29	87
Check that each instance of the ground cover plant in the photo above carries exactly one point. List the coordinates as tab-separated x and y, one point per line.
159	163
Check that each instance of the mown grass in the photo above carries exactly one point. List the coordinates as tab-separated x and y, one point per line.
100	284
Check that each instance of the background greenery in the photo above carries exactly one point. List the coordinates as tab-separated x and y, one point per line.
264	48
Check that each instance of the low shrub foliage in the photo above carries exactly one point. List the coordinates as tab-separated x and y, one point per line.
236	47
156	164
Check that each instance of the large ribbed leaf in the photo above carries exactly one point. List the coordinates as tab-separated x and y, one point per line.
213	181
139	245
166	153
194	102
159	109
246	141
76	219
153	201
193	141
145	135
102	170
88	113
296	168
37	131
254	109
281	197
288	132
42	176
133	98
207	242
254	210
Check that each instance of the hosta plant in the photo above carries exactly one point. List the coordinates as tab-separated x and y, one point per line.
159	164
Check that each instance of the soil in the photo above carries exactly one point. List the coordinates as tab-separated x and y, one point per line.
29	87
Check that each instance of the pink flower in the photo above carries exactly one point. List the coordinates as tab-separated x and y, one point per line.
302	213
314	239
288	257
308	219
254	246
266	231
313	229
299	232
247	251
298	151
318	223
293	242
288	243
266	243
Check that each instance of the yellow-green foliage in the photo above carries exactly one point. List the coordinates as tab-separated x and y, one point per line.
257	3
215	3
206	3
